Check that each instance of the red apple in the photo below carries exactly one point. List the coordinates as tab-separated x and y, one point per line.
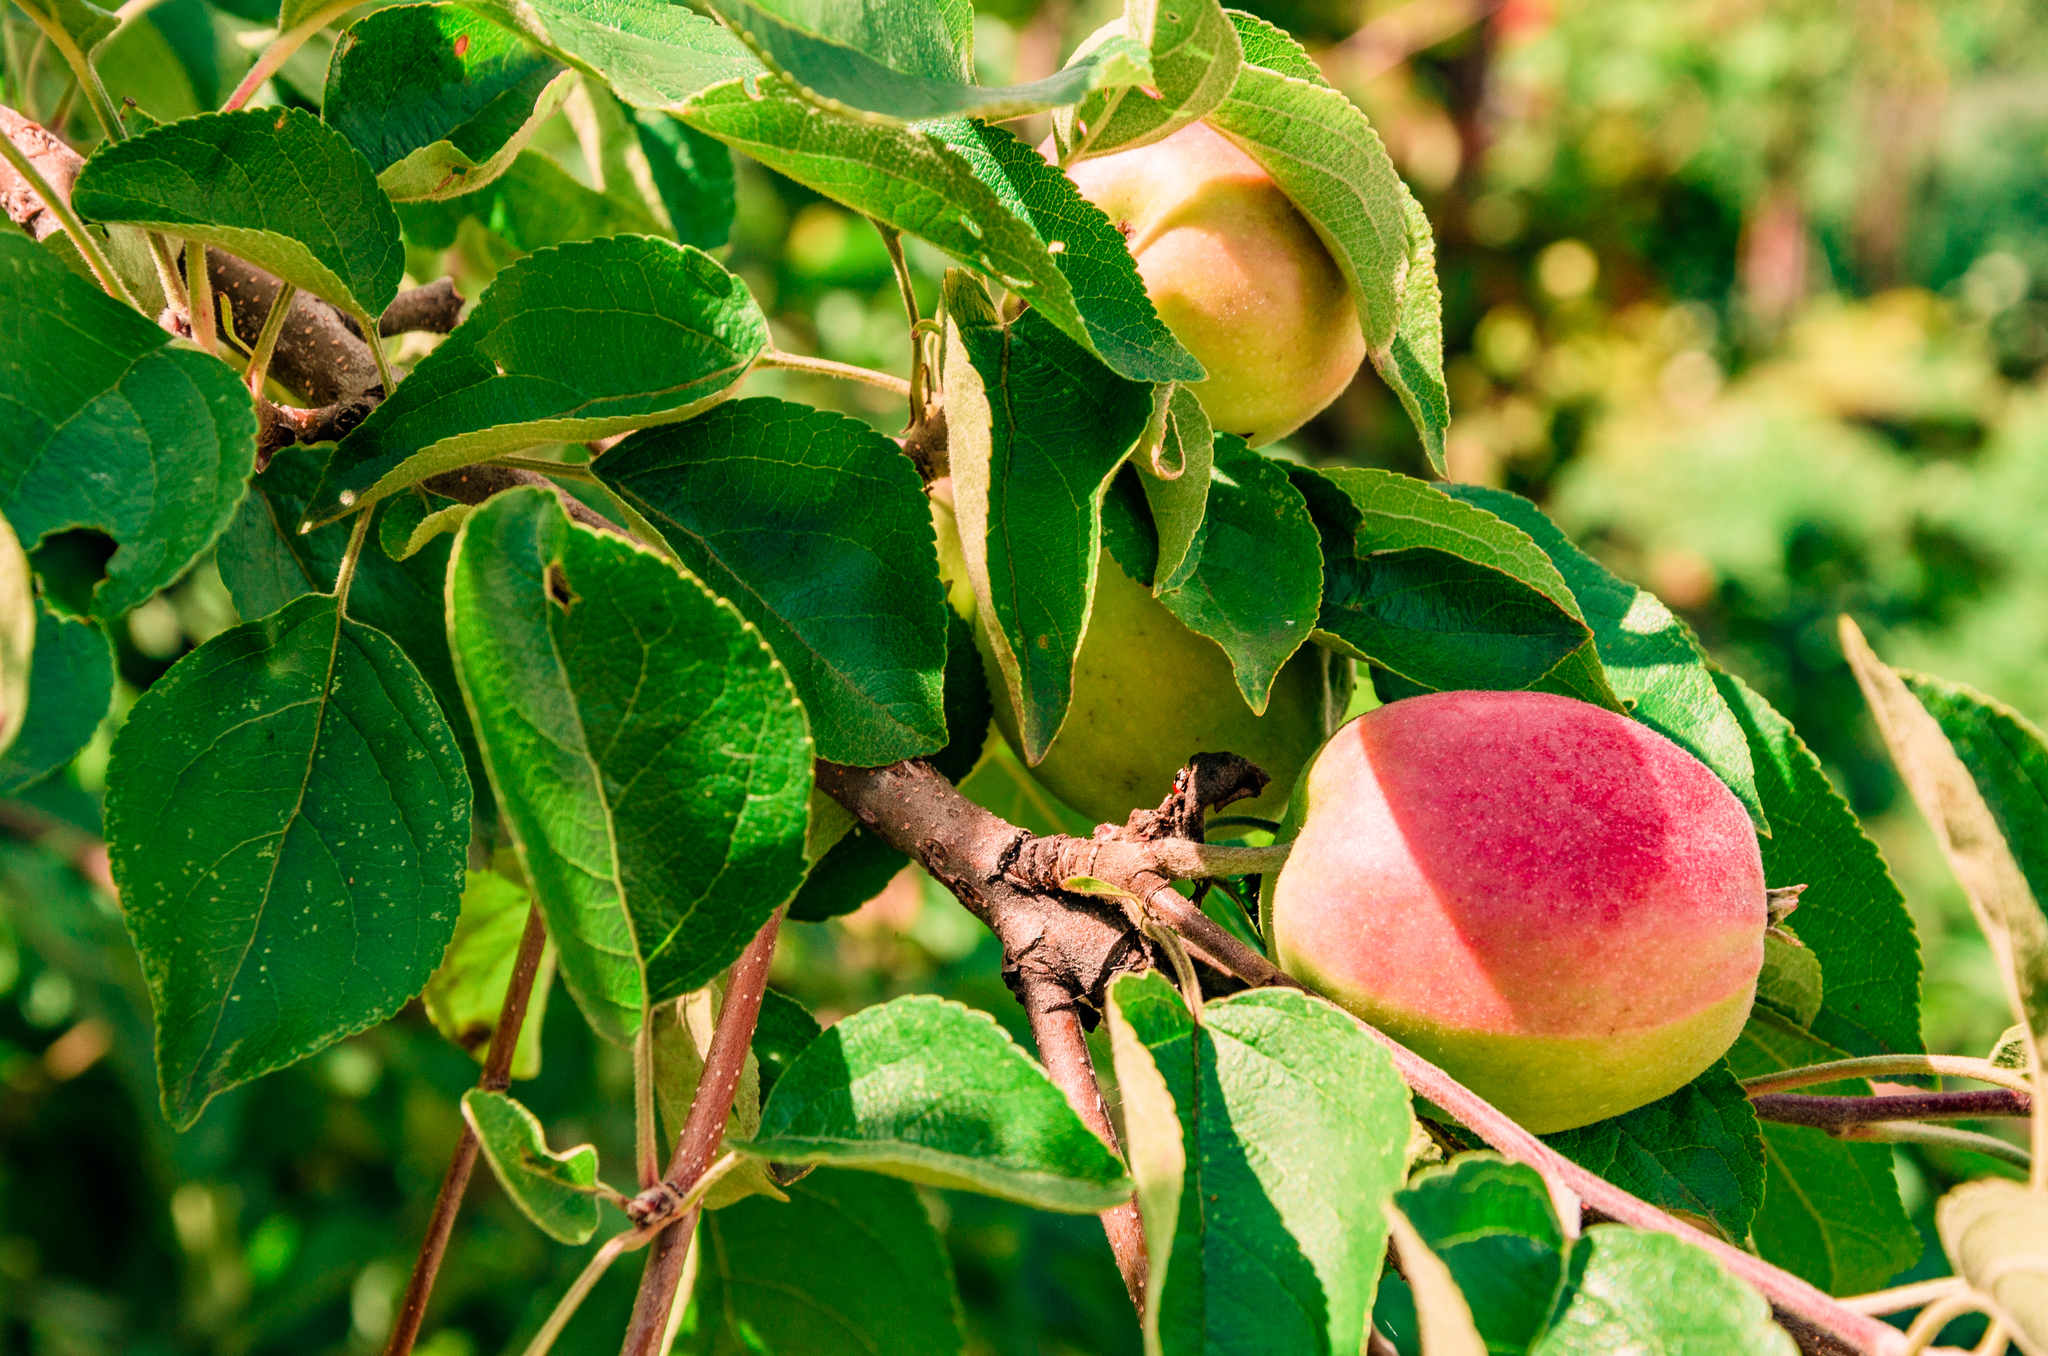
1237	274
1555	903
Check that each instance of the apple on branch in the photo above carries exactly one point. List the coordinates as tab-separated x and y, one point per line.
1554	902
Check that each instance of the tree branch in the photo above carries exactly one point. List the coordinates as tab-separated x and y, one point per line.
670	1202
1832	1113
496	1077
433	309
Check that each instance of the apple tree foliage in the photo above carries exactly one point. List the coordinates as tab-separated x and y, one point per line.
292	810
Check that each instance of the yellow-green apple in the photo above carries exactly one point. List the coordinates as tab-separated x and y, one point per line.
1148	692
1237	274
1555	903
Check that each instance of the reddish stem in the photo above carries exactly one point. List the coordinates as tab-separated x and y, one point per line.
703	1131
497	1076
1829	1113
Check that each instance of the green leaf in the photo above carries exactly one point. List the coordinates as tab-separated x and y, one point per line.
104	424
1176	482
553	1190
1295	1132
1491	1223
935	1092
466	994
1257	580
651	53
784	1030
1195	57
1649	655
1696	1152
601	680
856	869
1831	1213
287	817
904	177
18	635
818	530
692	175
439	100
407	525
851	1263
895	63
1637	1291
265	561
69	686
1038	427
1852	917
276	186
532	205
1992	1231
2007	761
77	22
1325	156
577	342
1442	593
1119	323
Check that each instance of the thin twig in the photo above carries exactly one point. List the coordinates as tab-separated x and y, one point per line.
825	367
266	338
81	67
646	1150
59	207
1888	1066
199	291
892	240
1938	1136
697	1145
1933	1319
280	51
567	470
1829	1113
586	1280
1904	1297
497	1076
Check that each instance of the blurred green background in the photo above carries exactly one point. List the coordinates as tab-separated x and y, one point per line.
1752	296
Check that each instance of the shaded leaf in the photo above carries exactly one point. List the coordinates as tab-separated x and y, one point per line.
275	186
693	176
1442	593
784	1030
535	203
77	23
104	424
1195	57
577	342
1696	1152
1649	655
1852	917
599	679
1790	983
1295	1132
851	1263
1038	427
1257	577
1176	485
818	530
287	817
438	99
71	684
1831	1213
1491	1223
466	994
553	1190
894	62
1443	1317
935	1092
